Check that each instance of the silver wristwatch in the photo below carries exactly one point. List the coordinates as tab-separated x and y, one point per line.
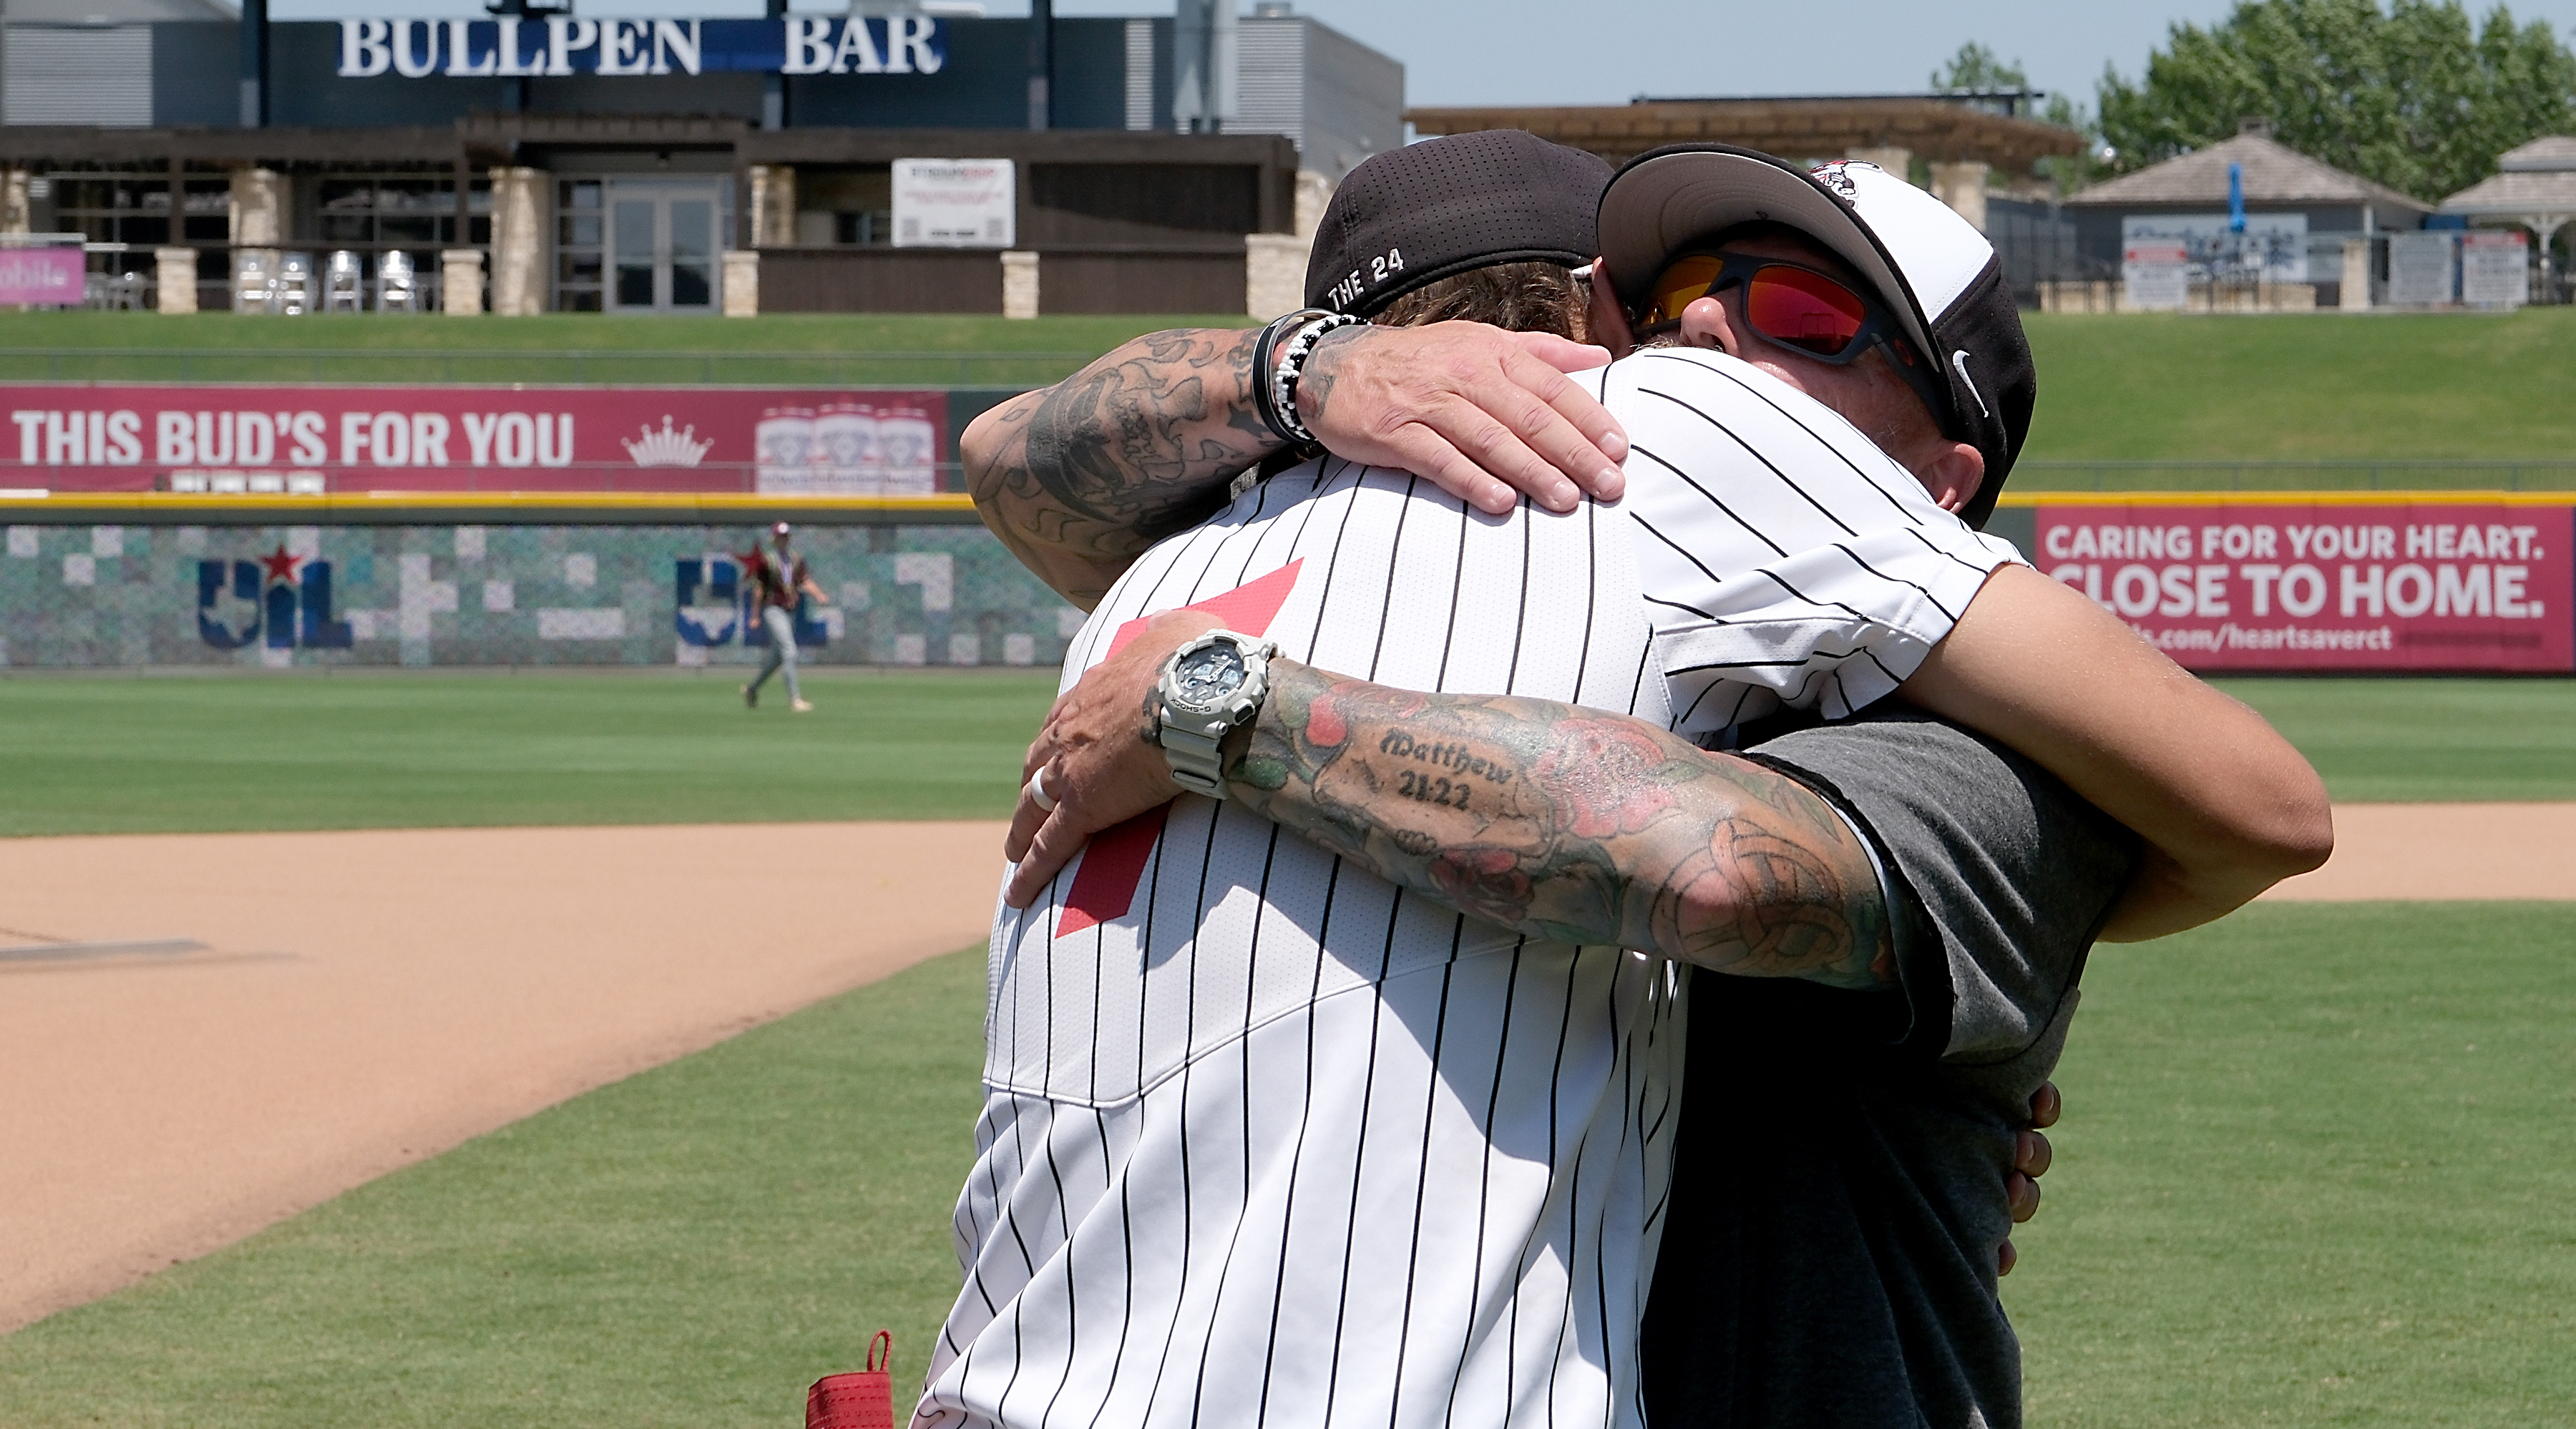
1209	688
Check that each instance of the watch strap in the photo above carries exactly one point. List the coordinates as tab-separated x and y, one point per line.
1197	761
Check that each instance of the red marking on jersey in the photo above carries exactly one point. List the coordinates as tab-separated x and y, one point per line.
1114	862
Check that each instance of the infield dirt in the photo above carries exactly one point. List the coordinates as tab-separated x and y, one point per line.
355	1002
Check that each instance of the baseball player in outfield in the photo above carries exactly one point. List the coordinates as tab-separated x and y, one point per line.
778	577
1269	1127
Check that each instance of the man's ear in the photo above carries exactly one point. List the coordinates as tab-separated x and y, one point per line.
1608	320
1952	475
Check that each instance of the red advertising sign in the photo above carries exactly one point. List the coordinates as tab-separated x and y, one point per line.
2426	586
185	437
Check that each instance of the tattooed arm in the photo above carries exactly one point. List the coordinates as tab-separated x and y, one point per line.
1080	478
1569	824
1560	822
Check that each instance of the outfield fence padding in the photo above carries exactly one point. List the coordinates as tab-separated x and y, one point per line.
423	594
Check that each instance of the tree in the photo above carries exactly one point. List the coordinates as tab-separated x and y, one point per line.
1974	68
2416	97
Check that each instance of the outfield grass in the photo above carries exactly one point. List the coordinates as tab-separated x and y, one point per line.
2314	1171
2413	741
83	754
2170	387
98	754
689	1248
877	349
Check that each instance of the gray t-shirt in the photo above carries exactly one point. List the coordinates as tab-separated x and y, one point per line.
1829	1256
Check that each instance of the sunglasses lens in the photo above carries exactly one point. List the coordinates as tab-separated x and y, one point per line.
1681	285
1803	310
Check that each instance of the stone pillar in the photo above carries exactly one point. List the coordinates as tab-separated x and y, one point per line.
773	205
175	279
1314	191
1019	285
519	242
258	226
741	283
460	277
1896	160
17	210
1963	187
1274	273
2356	275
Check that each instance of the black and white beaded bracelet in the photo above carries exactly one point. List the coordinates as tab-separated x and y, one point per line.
1301	331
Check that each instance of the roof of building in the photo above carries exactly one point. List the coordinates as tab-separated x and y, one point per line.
1940	130
2274	174
2514	194
2547	154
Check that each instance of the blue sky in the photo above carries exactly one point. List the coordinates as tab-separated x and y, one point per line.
1608	51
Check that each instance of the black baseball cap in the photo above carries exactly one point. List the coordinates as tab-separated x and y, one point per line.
1428	211
1933	269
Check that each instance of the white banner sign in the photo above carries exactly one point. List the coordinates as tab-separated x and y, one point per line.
2495	268
2154	276
2273	248
2419	269
954	203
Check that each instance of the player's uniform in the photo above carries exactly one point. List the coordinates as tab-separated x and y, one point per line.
774	586
1269	1140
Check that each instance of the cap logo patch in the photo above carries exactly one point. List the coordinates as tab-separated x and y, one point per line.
1834	177
1959	364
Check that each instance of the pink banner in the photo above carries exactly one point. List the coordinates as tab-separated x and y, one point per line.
2432	586
182	437
50	277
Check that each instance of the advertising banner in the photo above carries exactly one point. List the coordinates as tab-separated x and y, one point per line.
283	596
2420	268
44	277
954	203
2270	246
2155	276
2495	268
2430	586
182	437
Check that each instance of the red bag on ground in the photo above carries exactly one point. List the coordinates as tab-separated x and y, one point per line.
864	1400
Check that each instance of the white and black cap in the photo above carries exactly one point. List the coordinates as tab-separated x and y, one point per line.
1933	269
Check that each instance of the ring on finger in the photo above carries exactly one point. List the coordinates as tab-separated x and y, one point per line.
1037	792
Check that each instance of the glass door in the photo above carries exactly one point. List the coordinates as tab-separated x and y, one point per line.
662	246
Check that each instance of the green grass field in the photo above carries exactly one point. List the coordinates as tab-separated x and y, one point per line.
2136	387
774	349
86	754
2314	1171
82	754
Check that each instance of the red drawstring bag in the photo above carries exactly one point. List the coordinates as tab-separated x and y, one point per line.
856	1401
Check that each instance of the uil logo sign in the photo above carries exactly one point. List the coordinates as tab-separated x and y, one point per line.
715	607
285	598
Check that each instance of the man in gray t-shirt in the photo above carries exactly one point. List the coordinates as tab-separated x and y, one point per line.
1840	1150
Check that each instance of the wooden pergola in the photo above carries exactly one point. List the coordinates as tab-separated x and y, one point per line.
1939	130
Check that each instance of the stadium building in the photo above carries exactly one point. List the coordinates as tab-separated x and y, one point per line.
908	157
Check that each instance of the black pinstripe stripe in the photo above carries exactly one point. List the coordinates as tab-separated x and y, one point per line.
1359	1160
1782	477
1189	1040
1431	1083
1485	1179
1820	439
1394	561
1297	1156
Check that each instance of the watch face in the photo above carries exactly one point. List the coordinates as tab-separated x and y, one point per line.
1206	678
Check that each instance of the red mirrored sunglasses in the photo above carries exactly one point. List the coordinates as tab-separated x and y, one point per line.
1807	312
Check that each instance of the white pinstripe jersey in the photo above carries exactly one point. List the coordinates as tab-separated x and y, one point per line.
1269	1140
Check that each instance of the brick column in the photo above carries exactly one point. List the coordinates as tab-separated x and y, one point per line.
258	226
460	275
1963	187
1274	274
1019	285
741	283
519	212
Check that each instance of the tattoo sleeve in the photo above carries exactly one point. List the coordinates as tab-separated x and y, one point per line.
1569	824
1080	478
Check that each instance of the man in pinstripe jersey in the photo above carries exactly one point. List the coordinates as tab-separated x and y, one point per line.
1849	953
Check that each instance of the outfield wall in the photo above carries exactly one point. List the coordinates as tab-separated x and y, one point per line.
2300	582
107	594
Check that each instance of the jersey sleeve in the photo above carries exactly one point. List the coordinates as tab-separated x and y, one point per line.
1783	559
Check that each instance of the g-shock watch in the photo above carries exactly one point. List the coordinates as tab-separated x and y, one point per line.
1209	688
